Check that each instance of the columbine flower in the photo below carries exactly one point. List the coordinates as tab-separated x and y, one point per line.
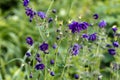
52	73
29	41
77	27
111	51
115	44
83	25
29	12
92	37
54	46
84	36
39	66
114	28
52	62
76	76
41	14
74	27
50	20
30	76
102	24
37	55
28	54
38	59
95	16
25	3
43	47
75	49
54	10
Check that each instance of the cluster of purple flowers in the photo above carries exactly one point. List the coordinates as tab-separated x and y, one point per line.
31	13
77	27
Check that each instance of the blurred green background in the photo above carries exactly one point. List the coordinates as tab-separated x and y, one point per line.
15	25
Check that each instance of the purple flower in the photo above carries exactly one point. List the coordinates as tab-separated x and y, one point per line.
92	37
84	36
52	62
54	46
38	59
31	76
37	55
54	10
25	3
75	49
39	66
83	25
43	46
52	73
29	12
29	41
114	29
95	16
76	76
111	51
102	24
74	27
115	44
41	14
28	54
50	20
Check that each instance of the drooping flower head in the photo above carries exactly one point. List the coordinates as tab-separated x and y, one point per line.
102	24
83	25
115	44
75	49
29	41
84	36
25	3
28	54
41	14
114	28
95	16
111	51
50	20
43	47
76	76
52	73
29	12
92	37
39	66
52	61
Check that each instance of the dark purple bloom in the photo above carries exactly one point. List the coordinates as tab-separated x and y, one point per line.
76	76
25	3
37	55
108	45
85	36
31	76
115	44
29	41
39	66
54	10
54	46
92	37
52	73
50	20
111	51
41	14
102	24
114	29
28	54
38	59
95	16
74	27
52	61
83	26
75	49
43	46
29	12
